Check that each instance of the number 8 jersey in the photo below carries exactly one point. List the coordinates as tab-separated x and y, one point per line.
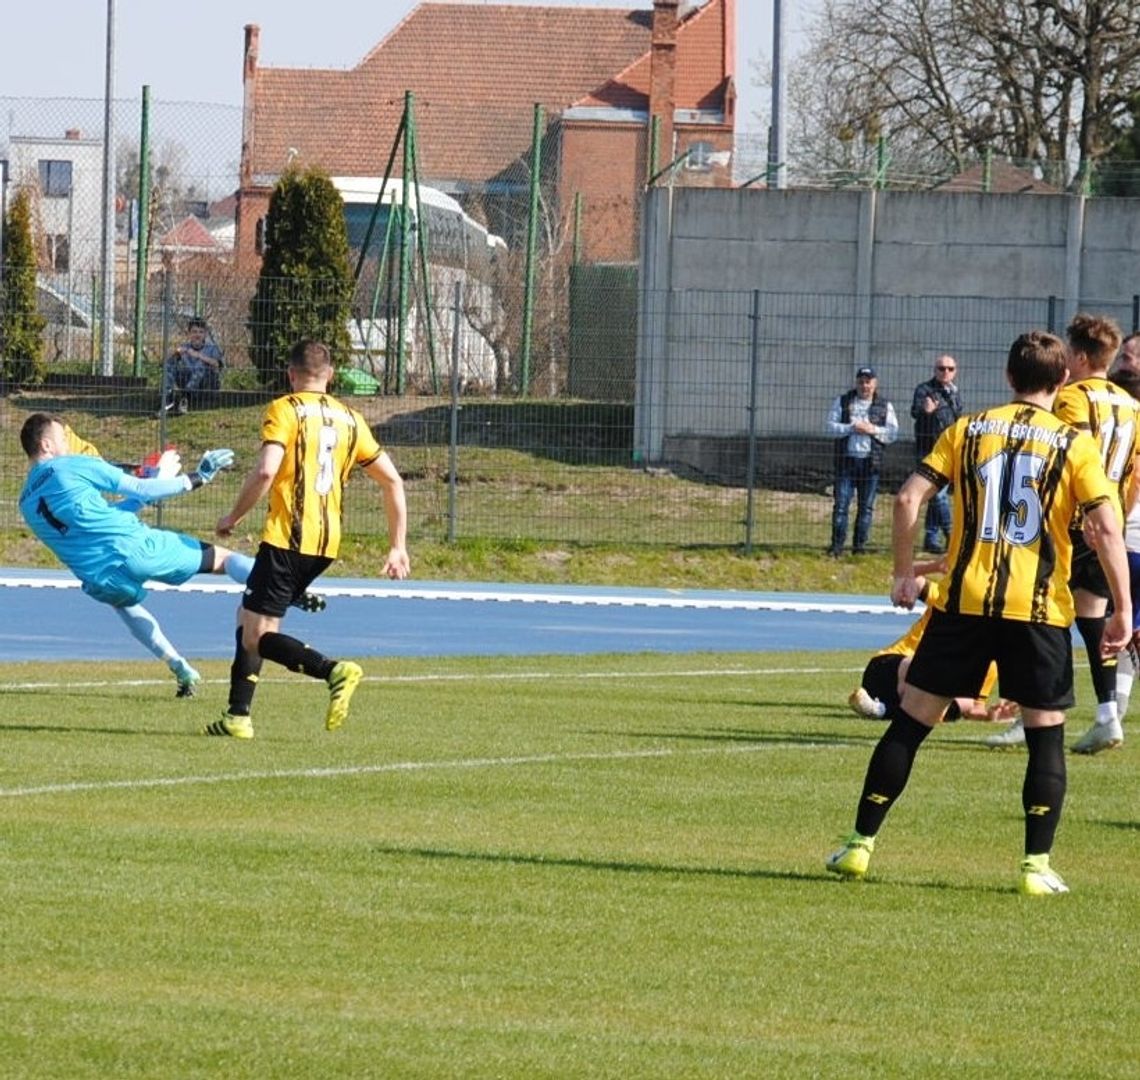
323	440
1019	475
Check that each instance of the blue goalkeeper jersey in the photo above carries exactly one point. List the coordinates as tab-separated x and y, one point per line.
64	505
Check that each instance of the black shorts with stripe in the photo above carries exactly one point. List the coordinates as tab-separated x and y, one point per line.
279	577
1086	572
1035	661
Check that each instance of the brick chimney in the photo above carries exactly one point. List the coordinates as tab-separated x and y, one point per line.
250	205
663	74
248	78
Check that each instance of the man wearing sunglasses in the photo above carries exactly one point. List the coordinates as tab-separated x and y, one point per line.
937	404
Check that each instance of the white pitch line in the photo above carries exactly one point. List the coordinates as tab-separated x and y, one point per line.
79	786
404	591
443	677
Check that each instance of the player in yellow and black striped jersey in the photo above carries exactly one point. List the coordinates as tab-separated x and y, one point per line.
323	440
1112	416
880	688
310	443
1018	474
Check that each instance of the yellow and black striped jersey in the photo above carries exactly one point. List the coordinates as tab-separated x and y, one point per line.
1019	474
1112	416
77	445
323	440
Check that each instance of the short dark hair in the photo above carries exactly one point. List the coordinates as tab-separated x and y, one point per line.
1036	362
33	431
1097	336
312	357
1128	380
196	323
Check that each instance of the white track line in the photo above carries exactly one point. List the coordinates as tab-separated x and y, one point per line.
80	786
502	676
404	591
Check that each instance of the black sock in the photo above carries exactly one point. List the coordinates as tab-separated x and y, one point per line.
1043	792
1103	671
244	672
295	655
888	771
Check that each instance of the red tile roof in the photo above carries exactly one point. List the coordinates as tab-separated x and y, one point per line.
1004	179
190	235
476	72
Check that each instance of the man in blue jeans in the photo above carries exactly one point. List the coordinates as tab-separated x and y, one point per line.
194	368
862	423
937	404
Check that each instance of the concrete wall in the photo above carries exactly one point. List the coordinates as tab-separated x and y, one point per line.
851	277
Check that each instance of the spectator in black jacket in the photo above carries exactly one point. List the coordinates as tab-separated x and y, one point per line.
937	404
862	423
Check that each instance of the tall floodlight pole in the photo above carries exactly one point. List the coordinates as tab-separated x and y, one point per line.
108	235
777	148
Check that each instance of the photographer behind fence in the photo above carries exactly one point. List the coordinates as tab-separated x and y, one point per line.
193	370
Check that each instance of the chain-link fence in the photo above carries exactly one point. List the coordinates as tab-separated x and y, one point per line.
688	419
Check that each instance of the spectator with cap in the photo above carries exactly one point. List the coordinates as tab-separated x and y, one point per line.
193	369
937	404
862	422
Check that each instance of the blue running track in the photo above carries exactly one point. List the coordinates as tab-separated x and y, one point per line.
46	617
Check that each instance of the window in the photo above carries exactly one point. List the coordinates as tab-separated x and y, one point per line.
58	250
700	157
55	179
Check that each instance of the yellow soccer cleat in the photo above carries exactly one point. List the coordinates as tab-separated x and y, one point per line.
237	727
1039	879
343	681
851	860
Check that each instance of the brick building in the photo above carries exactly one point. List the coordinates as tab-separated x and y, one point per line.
476	72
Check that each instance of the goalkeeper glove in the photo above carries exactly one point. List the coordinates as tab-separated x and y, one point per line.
213	461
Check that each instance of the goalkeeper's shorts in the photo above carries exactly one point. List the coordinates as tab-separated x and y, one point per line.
160	555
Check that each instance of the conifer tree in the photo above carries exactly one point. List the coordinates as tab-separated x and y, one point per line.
305	286
21	324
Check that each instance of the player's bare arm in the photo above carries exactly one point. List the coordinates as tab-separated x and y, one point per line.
397	565
1103	528
253	490
909	502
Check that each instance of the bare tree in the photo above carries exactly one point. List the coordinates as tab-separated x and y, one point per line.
945	80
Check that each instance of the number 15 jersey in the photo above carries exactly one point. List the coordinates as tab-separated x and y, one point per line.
323	440
1019	474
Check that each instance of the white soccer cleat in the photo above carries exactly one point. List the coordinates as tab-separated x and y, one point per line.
862	704
1100	737
1014	735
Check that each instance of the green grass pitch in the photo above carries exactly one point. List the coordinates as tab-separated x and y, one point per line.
541	867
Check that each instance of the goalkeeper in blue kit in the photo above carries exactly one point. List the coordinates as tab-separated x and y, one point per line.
112	552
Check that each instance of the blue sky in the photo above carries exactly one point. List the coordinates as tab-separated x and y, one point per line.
192	51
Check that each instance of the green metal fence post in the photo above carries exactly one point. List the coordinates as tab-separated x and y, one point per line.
753	386
144	231
531	249
651	154
453	432
405	258
422	250
577	228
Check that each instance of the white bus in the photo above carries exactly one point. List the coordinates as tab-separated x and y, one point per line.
455	248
